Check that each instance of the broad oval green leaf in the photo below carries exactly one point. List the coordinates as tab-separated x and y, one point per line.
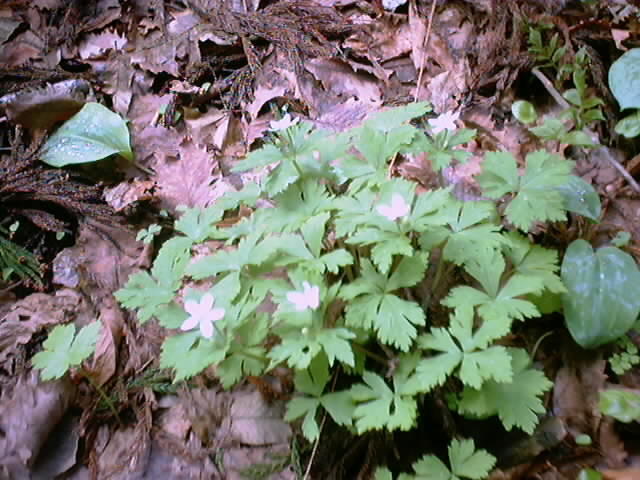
629	126
623	405
602	302
624	79
524	111
581	198
94	133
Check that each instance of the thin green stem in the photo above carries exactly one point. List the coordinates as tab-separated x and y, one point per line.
104	397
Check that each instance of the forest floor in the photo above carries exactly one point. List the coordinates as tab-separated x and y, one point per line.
201	84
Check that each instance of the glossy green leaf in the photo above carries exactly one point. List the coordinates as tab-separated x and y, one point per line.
589	474
581	198
94	133
624	79
629	127
623	405
524	111
602	302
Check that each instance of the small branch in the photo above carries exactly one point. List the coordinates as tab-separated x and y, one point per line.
425	45
564	104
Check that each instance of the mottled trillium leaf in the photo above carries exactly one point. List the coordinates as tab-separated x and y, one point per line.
624	79
581	198
94	133
601	303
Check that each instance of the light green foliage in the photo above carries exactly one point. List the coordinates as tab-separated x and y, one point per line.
516	403
584	108
378	406
373	305
465	352
464	460
146	234
327	279
536	197
312	383
94	133
64	349
626	357
549	54
150	293
623	405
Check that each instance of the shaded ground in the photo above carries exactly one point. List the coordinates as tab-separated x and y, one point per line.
200	81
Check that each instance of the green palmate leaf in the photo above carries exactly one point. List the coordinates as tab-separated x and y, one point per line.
378	406
534	261
623	405
144	293
624	79
246	354
94	133
198	224
189	353
517	403
470	231
372	306
64	349
377	148
551	129
150	293
465	461
599	306
536	196
311	383
300	346
393	118
497	303
468	351
581	198
297	205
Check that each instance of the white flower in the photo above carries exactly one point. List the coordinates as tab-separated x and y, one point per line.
308	298
282	124
202	314
445	121
398	208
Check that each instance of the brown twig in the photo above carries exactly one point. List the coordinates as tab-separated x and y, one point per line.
564	104
425	44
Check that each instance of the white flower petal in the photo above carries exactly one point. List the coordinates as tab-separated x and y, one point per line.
189	324
285	122
445	121
206	302
192	307
217	314
206	328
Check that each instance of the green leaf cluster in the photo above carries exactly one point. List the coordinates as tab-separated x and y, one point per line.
64	349
334	276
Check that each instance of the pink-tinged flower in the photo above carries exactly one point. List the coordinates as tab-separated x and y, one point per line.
202	314
282	124
445	121
308	298
398	208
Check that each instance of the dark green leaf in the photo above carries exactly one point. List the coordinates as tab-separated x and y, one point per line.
94	133
601	303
